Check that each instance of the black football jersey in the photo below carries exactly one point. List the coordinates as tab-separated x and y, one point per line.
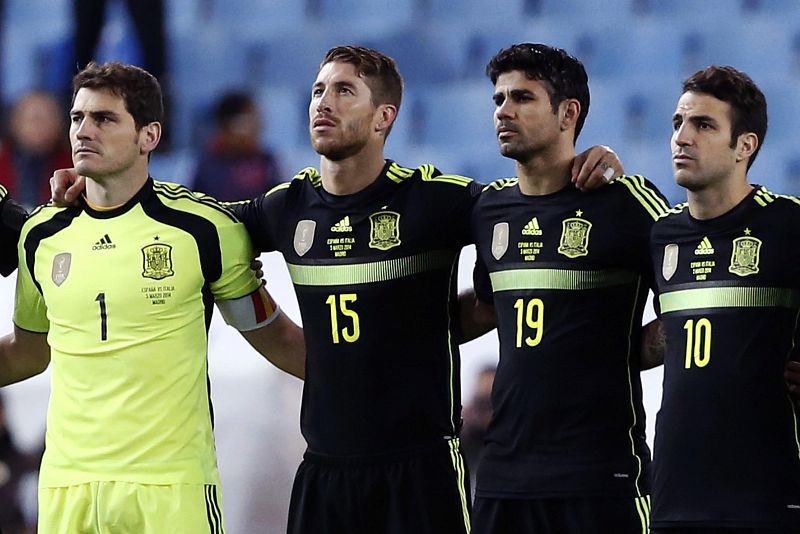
12	216
375	277
569	275
726	447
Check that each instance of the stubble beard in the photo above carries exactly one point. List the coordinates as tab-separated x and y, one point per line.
349	144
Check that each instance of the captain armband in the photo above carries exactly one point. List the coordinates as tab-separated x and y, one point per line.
251	311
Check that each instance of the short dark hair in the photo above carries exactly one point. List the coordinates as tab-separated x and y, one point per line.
748	104
231	105
564	75
139	89
379	71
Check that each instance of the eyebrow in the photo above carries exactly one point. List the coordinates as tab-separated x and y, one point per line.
339	84
695	118
514	93
95	114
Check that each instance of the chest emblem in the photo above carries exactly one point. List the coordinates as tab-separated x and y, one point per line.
499	240
574	237
157	261
670	263
745	255
384	230
304	236
61	264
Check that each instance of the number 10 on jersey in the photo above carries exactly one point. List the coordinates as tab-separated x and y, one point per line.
340	307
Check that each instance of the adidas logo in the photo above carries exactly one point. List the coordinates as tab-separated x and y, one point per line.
705	247
104	243
532	228
343	225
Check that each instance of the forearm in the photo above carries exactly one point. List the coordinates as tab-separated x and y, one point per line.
22	355
282	344
654	344
475	317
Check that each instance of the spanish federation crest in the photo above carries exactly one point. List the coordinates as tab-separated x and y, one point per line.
304	236
574	237
670	263
499	240
744	257
157	261
61	264
384	230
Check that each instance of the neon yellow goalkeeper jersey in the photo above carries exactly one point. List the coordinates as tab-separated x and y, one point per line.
126	297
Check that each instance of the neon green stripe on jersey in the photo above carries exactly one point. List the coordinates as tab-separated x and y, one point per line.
366	273
3	192
729	297
646	197
398	174
558	279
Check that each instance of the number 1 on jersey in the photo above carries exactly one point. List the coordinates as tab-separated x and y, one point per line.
101	298
339	306
532	317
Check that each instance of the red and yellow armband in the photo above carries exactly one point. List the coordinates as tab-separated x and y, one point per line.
251	311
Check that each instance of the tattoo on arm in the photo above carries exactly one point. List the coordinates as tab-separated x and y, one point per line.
654	344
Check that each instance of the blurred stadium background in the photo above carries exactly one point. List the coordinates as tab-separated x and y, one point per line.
636	53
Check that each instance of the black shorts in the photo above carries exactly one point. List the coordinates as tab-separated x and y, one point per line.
594	515
425	492
725	530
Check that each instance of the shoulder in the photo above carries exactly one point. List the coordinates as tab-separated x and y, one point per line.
788	204
501	184
672	219
180	198
429	177
642	194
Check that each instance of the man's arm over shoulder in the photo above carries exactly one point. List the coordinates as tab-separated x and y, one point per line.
23	354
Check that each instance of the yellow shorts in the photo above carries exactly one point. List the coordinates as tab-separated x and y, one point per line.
127	508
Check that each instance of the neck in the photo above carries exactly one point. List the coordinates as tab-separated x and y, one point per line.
712	202
114	190
546	173
351	175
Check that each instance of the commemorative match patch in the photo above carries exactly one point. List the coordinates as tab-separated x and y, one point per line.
61	265
670	263
304	236
499	240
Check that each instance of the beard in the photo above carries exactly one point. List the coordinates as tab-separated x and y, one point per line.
336	147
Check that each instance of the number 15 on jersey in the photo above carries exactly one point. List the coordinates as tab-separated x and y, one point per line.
342	314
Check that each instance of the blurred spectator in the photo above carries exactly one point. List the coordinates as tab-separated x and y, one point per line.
148	20
36	145
147	16
234	165
635	118
692	48
14	466
794	67
477	414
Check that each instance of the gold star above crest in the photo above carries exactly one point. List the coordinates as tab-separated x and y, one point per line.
579	213
747	231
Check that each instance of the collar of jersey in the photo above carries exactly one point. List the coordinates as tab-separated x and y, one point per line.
143	194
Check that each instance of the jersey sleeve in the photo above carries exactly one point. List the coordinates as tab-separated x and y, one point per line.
30	312
237	278
643	205
261	216
12	217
